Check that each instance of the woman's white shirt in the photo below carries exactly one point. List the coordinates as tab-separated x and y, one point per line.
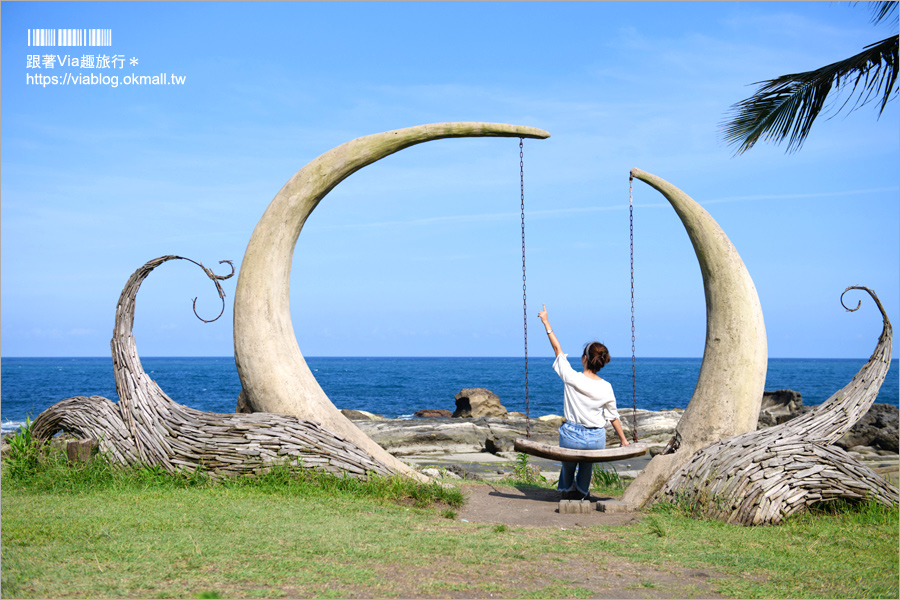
588	402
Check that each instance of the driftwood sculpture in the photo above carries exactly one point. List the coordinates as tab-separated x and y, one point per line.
763	476
147	427
274	375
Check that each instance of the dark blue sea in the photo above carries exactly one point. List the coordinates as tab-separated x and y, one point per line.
397	387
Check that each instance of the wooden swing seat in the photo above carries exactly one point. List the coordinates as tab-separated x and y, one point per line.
572	455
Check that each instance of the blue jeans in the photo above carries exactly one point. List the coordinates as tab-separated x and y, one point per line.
578	437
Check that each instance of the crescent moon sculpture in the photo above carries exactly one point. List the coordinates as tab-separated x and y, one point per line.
273	372
728	395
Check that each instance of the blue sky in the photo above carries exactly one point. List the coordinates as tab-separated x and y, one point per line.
419	254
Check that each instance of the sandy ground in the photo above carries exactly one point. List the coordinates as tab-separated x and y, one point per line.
524	507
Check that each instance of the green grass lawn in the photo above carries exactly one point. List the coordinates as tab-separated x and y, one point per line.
92	532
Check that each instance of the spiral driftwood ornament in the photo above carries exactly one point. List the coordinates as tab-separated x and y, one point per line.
147	427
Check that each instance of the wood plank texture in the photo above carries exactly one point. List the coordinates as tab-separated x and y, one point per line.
570	455
148	427
763	476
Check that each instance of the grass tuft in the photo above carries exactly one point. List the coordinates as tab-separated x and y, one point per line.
25	454
527	473
51	472
656	526
607	481
863	513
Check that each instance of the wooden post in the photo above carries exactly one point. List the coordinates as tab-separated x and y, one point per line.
80	451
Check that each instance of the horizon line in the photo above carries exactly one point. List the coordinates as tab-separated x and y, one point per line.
439	357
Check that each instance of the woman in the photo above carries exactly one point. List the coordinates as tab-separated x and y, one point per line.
589	403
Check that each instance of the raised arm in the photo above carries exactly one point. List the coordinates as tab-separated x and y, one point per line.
557	349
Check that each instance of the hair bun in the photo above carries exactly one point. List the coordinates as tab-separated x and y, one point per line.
597	355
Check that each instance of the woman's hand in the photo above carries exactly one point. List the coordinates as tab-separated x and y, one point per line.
542	314
617	427
557	349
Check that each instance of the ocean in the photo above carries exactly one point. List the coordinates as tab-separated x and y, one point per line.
398	387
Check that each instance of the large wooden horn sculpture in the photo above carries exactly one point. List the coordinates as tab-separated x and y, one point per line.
729	390
273	373
717	462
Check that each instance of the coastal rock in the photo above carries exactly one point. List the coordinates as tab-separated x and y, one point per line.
414	437
478	402
405	437
497	444
877	429
440	473
463	473
361	415
433	412
243	405
554	420
434	436
654	428
779	406
81	451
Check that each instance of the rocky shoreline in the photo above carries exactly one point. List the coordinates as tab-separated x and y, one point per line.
478	437
873	439
441	435
436	435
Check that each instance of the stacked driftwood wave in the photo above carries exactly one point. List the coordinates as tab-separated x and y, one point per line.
147	427
763	476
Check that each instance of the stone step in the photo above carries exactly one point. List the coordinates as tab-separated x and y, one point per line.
568	507
615	506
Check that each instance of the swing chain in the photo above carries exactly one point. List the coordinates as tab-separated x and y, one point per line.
631	248
524	299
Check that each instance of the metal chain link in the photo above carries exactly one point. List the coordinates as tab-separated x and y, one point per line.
633	368
524	297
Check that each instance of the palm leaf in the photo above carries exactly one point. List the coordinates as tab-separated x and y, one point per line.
882	10
786	107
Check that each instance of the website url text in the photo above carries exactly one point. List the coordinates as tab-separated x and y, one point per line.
107	80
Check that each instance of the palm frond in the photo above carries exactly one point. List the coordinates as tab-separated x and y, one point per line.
882	10
786	107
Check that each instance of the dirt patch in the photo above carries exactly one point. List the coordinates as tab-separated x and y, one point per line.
512	571
528	507
594	575
588	576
